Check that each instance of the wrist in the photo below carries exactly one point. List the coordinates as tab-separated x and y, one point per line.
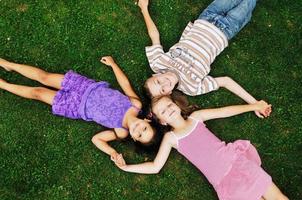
253	101
255	106
144	10
112	153
113	65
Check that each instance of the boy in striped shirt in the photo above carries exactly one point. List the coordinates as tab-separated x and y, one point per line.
187	64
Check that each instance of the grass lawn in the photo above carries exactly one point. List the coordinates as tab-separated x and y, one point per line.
48	157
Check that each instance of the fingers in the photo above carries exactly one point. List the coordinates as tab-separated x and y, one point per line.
142	3
113	157
103	60
118	160
265	112
120	163
264	109
258	114
107	60
268	110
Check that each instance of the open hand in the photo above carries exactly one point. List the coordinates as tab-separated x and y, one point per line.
107	60
143	4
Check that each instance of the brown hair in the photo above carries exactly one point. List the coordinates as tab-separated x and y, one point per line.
154	143
147	90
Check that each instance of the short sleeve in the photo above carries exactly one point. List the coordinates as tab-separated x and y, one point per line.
186	31
208	84
153	54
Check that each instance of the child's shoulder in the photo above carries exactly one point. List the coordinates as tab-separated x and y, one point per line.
136	102
121	133
170	138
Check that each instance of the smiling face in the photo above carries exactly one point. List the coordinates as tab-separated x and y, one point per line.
166	110
161	84
140	130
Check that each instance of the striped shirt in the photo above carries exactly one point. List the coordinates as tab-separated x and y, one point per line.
191	57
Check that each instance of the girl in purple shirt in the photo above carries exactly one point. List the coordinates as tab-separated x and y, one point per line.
234	169
77	97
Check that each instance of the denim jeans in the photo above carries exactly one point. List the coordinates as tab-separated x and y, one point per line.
230	16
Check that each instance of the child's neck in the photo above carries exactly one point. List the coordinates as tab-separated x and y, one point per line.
131	119
178	124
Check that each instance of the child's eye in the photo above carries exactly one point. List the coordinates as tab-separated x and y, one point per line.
145	128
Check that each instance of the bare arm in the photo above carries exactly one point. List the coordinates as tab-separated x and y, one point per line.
151	27
101	139
207	114
235	88
155	166
120	76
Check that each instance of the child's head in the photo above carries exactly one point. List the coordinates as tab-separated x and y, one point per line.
160	84
141	131
165	110
168	108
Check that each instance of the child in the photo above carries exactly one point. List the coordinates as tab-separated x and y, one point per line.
233	169
187	64
78	97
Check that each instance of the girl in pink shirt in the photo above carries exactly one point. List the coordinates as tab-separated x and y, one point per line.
234	169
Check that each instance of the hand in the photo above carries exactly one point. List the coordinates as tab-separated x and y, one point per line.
263	109
107	60
122	167
143	4
5	64
118	159
258	114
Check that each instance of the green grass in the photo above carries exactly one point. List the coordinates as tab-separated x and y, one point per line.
47	157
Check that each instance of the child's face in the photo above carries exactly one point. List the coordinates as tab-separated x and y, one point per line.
166	110
141	131
160	84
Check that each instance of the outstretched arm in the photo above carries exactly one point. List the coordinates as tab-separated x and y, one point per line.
155	166
120	76
151	27
207	114
101	139
235	88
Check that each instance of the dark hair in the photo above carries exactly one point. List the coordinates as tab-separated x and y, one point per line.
183	103
147	90
146	113
154	143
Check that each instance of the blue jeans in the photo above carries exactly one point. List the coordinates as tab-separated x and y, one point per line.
230	16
